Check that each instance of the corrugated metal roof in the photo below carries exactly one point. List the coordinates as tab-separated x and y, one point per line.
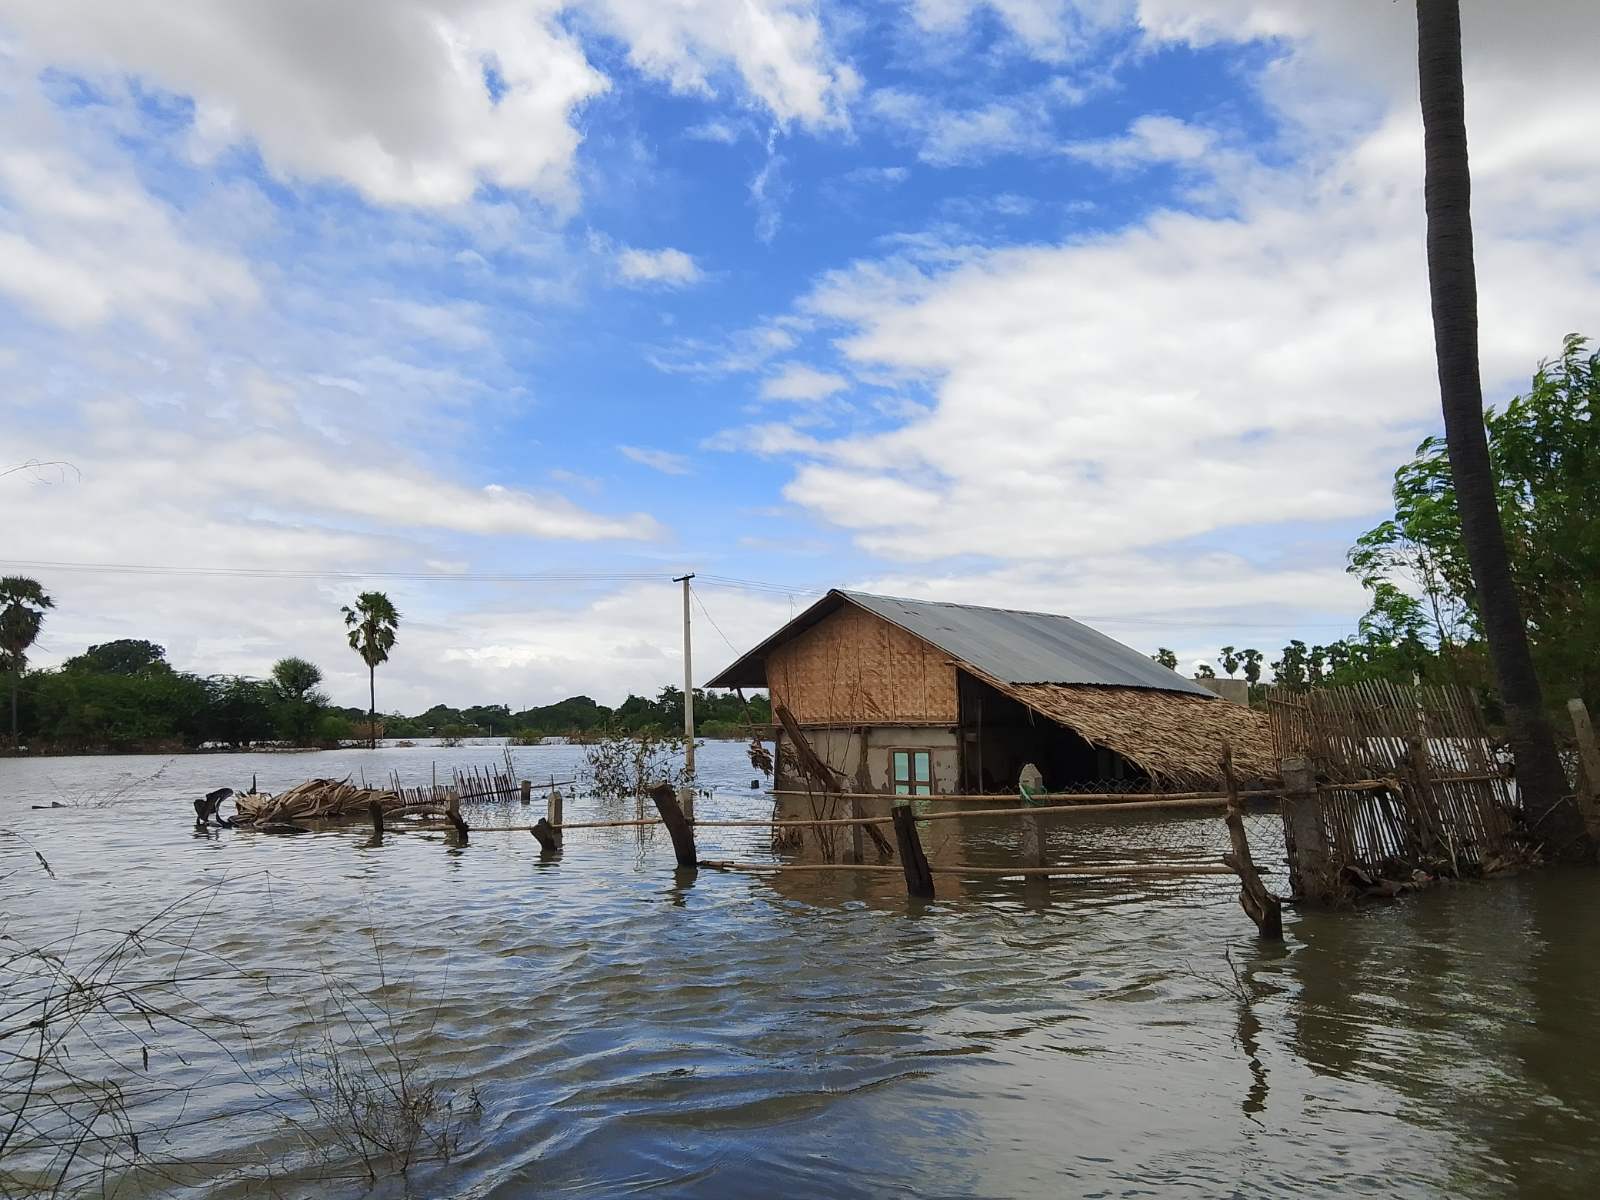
1009	646
1025	647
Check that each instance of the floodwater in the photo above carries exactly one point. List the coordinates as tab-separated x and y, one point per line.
607	1027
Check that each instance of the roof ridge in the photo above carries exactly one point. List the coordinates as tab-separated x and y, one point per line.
1021	612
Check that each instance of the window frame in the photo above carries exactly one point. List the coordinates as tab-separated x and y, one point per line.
910	785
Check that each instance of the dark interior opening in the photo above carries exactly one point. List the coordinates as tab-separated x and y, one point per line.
999	736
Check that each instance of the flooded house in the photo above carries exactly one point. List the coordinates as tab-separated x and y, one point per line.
926	698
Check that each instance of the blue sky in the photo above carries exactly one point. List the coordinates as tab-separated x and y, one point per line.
1108	307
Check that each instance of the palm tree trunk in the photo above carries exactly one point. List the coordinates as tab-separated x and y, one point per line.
16	681
372	707
1453	287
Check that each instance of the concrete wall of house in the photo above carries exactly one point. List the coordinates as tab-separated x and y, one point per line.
843	749
1236	690
853	668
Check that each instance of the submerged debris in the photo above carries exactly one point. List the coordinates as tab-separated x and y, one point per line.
315	800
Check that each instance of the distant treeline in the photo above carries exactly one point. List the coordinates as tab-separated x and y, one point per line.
714	716
125	695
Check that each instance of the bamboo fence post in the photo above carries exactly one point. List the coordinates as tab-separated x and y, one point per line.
679	828
858	851
1260	905
1313	873
1589	758
919	880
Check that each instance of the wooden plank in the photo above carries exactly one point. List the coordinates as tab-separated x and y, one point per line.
678	826
919	880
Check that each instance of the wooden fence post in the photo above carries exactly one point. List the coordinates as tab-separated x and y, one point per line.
452	812
527	791
858	850
552	814
376	811
1313	874
1589	757
679	828
919	880
1260	905
549	839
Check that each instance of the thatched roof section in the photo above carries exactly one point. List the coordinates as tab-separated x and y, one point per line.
1176	737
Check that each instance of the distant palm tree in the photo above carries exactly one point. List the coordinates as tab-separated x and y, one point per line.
372	624
1453	287
23	603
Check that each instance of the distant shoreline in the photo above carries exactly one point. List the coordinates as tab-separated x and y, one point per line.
500	741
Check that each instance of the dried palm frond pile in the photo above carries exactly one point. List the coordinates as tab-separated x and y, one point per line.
316	800
1174	736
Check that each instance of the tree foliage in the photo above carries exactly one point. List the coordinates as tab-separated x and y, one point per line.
1423	620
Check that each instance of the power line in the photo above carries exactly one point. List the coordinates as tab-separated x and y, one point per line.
707	613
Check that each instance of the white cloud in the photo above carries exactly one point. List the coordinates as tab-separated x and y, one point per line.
877	176
1051	30
777	47
667	267
420	102
80	244
798	382
1196	376
664	461
768	191
1150	139
722	132
952	137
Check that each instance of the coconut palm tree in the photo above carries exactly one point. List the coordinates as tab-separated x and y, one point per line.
1453	288
372	624
22	607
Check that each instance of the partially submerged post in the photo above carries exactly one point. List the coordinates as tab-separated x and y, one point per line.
858	852
1313	874
452	812
552	811
678	826
919	880
1260	905
1589	757
527	791
549	839
375	810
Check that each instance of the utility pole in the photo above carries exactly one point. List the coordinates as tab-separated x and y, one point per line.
688	681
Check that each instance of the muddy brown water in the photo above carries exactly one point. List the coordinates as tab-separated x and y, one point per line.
628	1031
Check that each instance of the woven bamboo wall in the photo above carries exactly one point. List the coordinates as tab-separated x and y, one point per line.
853	668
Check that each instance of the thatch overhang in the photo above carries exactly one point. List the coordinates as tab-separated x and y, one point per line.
1174	737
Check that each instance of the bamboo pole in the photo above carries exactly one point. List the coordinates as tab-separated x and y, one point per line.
1089	797
1109	871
